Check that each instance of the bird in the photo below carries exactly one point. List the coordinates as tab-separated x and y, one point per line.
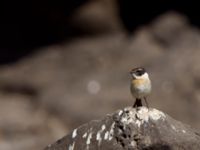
140	85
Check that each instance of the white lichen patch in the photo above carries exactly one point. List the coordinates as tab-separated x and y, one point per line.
139	122
125	120
120	112
103	127
89	138
84	135
133	144
106	135
129	117
88	141
173	127
156	114
111	133
71	147
183	131
74	134
141	116
98	136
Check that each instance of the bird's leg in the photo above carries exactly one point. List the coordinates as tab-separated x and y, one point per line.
145	99
138	103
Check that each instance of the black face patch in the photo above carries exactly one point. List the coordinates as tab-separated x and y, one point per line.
138	71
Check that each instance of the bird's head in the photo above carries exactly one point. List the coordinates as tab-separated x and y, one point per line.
139	73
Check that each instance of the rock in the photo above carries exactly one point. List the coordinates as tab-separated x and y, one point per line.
97	17
131	128
167	31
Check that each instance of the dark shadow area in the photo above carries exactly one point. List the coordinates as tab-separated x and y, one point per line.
27	25
136	13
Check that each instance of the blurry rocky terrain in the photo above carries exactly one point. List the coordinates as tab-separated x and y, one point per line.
61	86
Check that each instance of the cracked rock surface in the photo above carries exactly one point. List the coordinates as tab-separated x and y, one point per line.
131	128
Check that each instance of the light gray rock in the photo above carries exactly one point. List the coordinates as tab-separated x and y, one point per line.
129	129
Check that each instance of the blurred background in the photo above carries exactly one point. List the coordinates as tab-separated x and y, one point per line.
64	63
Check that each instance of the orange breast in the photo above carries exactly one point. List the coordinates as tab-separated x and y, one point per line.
140	87
138	82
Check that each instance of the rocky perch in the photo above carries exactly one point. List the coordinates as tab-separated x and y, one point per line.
131	129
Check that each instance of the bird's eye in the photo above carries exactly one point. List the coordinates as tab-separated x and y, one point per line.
139	72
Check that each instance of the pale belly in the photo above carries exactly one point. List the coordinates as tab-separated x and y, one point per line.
140	88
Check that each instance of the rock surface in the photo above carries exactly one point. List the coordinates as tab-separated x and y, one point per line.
131	128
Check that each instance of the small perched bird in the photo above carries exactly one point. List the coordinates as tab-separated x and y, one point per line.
140	85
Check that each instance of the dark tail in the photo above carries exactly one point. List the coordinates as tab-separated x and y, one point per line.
138	103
